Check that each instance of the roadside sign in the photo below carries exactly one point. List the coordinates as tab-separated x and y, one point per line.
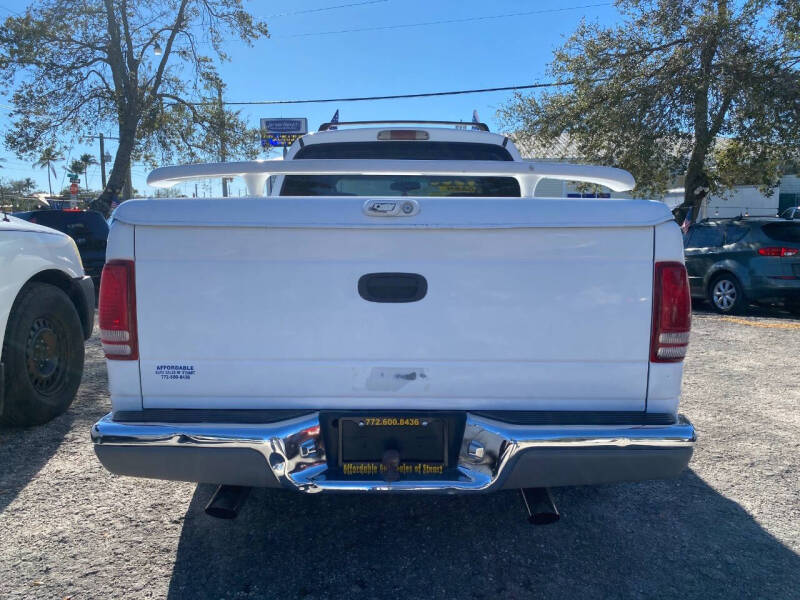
282	132
73	189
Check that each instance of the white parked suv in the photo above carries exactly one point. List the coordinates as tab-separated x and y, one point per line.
46	313
400	314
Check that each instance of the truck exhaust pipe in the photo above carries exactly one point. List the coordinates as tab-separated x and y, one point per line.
540	506
227	501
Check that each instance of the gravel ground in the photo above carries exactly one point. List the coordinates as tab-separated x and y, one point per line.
728	528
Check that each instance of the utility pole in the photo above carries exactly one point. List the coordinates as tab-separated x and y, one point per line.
102	161
127	187
221	133
103	139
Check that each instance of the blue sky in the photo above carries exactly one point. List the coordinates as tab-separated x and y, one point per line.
475	54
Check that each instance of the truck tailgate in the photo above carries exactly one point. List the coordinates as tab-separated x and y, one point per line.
549	309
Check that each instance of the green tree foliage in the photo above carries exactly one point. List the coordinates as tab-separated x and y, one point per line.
205	131
87	160
22	187
76	167
143	67
79	166
15	194
700	88
45	160
787	20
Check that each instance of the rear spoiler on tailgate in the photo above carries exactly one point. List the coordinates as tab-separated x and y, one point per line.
528	173
346	212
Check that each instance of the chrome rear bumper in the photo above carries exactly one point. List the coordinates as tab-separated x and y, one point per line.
493	454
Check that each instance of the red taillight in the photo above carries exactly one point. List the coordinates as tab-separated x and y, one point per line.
778	251
117	308
403	134
672	313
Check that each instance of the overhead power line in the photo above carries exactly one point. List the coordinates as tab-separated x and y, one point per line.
395	96
324	8
447	21
13	12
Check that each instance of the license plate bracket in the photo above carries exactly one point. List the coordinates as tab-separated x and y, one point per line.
421	442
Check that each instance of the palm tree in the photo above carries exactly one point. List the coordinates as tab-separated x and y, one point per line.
49	155
87	160
23	187
76	167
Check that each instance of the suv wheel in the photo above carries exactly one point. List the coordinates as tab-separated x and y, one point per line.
42	354
726	295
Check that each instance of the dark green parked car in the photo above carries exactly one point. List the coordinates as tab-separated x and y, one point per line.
733	262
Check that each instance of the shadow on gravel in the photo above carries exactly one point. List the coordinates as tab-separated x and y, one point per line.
28	450
25	451
678	539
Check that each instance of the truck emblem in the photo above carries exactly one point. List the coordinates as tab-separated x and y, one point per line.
390	208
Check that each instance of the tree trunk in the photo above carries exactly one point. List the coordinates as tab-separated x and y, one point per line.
695	184
117	180
127	189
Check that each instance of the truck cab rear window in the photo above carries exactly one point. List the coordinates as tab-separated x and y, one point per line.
399	185
405	151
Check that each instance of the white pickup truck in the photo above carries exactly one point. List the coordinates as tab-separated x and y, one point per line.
46	313
399	314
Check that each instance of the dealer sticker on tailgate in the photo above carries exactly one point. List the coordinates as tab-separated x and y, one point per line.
175	371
